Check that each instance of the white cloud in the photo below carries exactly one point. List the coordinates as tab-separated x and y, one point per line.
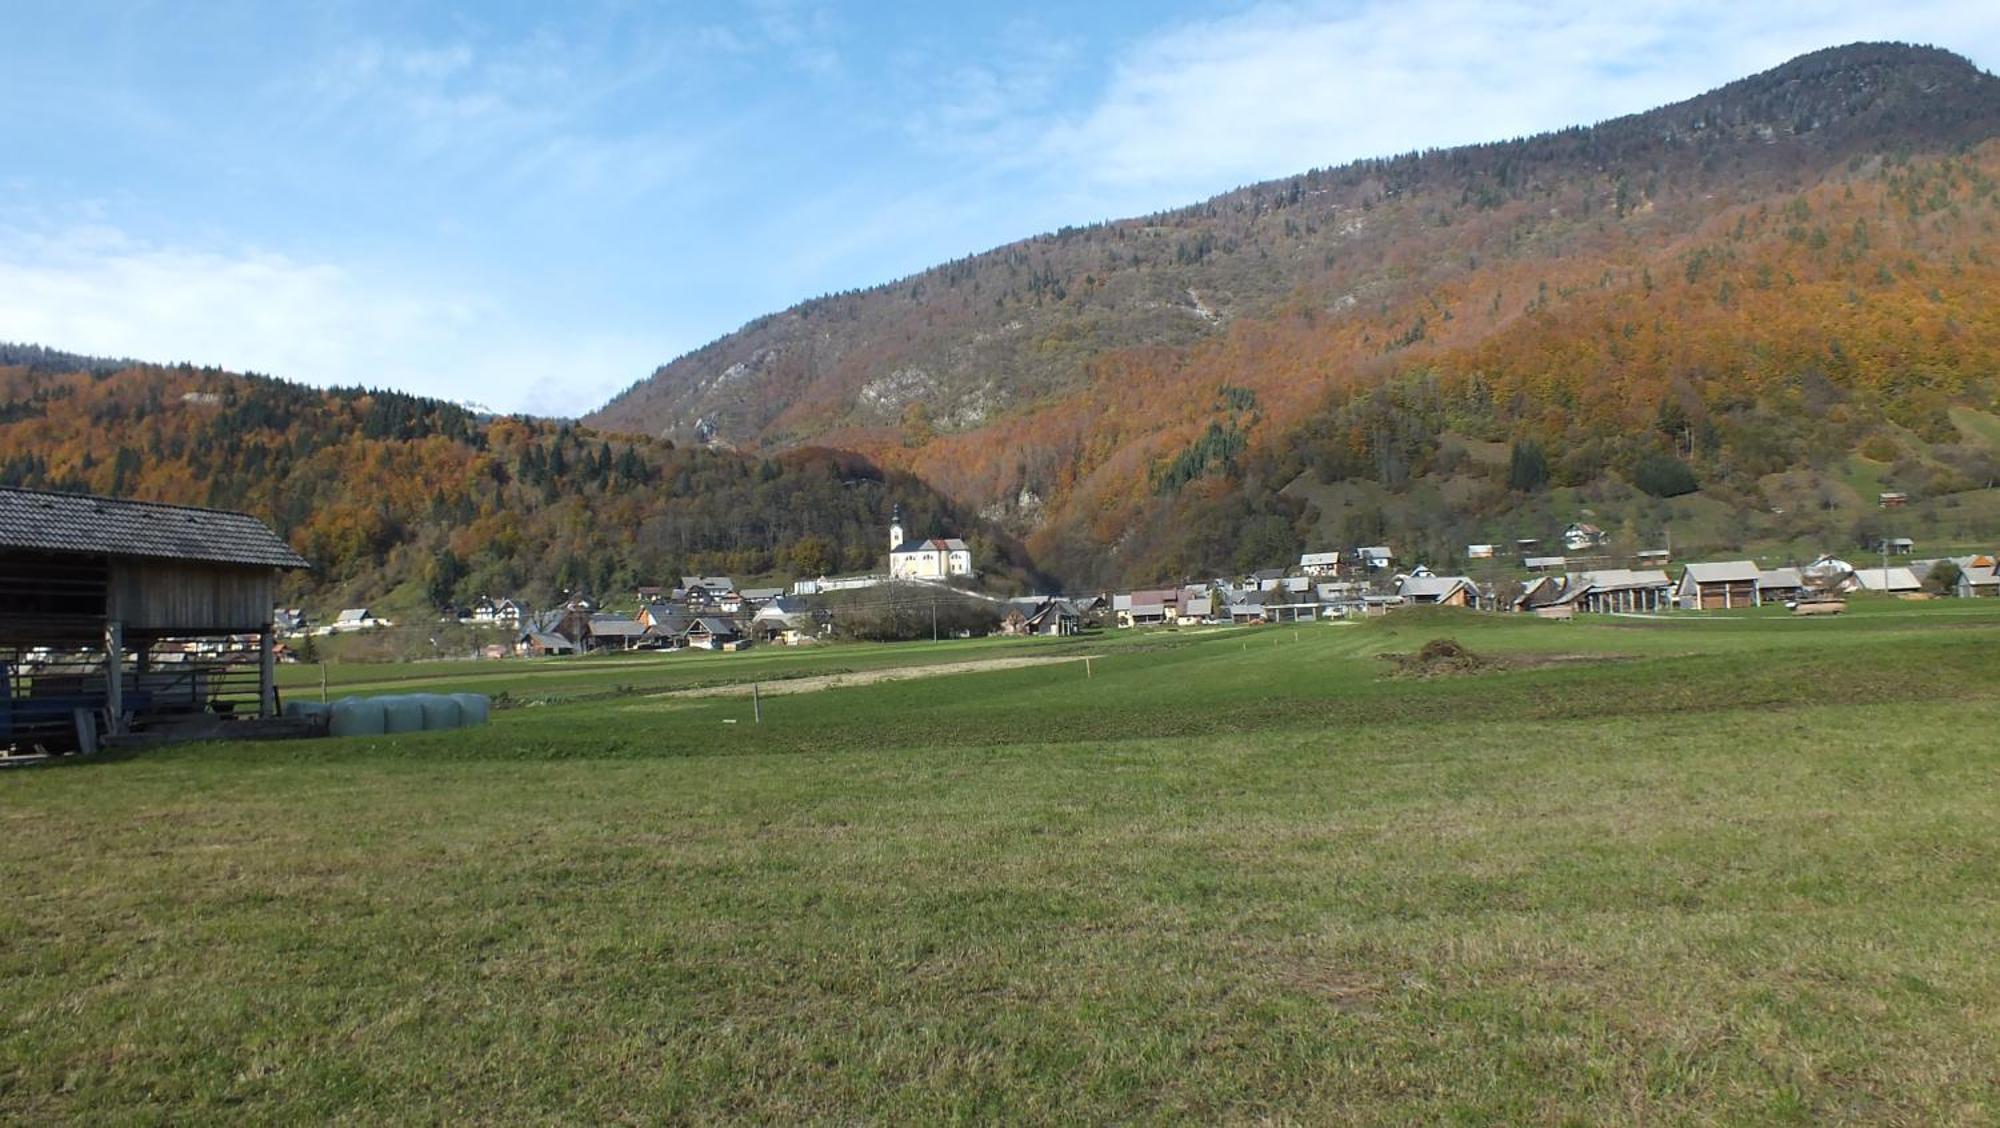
93	289
1281	87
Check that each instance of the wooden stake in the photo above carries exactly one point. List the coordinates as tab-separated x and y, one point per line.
756	703
1086	666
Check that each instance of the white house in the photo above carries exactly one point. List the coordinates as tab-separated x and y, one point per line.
1320	563
934	559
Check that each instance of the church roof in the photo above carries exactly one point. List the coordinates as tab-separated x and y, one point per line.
935	544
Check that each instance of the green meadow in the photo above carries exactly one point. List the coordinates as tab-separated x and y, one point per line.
1729	868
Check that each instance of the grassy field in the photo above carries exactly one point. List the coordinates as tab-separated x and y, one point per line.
1718	869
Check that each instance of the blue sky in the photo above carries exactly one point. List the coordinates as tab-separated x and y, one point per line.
531	205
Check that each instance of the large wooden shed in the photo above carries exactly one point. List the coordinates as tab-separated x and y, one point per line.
132	614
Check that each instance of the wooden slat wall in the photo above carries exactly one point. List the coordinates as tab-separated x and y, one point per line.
174	596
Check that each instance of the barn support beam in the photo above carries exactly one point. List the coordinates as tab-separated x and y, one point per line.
267	675
114	677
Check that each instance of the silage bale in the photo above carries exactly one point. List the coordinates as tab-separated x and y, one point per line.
472	708
402	714
440	712
358	716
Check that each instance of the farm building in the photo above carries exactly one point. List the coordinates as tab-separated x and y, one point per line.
1720	586
1443	591
121	617
1776	585
1892	580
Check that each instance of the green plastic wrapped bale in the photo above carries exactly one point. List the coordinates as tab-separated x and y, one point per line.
402	714
440	712
473	708
358	716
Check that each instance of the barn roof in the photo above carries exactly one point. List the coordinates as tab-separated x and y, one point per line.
106	526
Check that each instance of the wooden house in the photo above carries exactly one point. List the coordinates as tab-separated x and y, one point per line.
1718	586
92	589
1439	591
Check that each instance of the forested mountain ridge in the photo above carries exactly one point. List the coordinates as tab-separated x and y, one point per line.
1147	397
417	500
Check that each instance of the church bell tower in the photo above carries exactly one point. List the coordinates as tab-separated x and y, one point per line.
896	529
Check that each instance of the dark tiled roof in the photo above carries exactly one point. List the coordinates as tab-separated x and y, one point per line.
104	526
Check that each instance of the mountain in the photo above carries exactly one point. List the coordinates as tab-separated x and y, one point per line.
1768	297
414	503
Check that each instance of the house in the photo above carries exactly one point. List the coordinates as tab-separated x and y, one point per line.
544	644
753	598
1978	578
615	632
1197	608
1320	563
355	619
1899	546
1545	563
1048	618
706	590
1247	609
784	618
1891	581
1480	551
1780	585
1375	558
500	612
100	584
663	614
712	632
1718	586
1653	557
1156	607
936	558
1580	536
288	620
1892	499
1548	597
1421	587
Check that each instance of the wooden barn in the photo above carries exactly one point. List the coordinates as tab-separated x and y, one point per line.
121	617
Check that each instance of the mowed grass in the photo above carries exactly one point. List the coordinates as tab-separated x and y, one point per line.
1731	868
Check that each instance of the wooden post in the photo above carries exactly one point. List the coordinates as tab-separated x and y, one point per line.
1086	666
114	677
267	675
322	683
756	703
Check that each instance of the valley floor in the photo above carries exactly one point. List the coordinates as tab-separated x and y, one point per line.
1726	868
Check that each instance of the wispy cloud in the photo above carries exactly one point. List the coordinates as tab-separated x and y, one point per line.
1283	86
96	289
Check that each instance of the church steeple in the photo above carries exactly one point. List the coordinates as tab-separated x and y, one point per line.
896	528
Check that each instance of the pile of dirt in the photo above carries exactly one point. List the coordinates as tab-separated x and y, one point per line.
1440	657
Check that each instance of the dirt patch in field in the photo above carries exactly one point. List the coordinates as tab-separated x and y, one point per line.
819	682
1446	657
1440	657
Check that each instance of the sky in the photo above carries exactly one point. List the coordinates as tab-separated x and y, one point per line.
530	206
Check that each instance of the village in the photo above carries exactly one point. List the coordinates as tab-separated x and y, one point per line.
715	613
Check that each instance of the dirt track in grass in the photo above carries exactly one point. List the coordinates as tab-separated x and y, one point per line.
819	682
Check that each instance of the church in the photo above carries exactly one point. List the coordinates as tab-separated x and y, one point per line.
934	559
